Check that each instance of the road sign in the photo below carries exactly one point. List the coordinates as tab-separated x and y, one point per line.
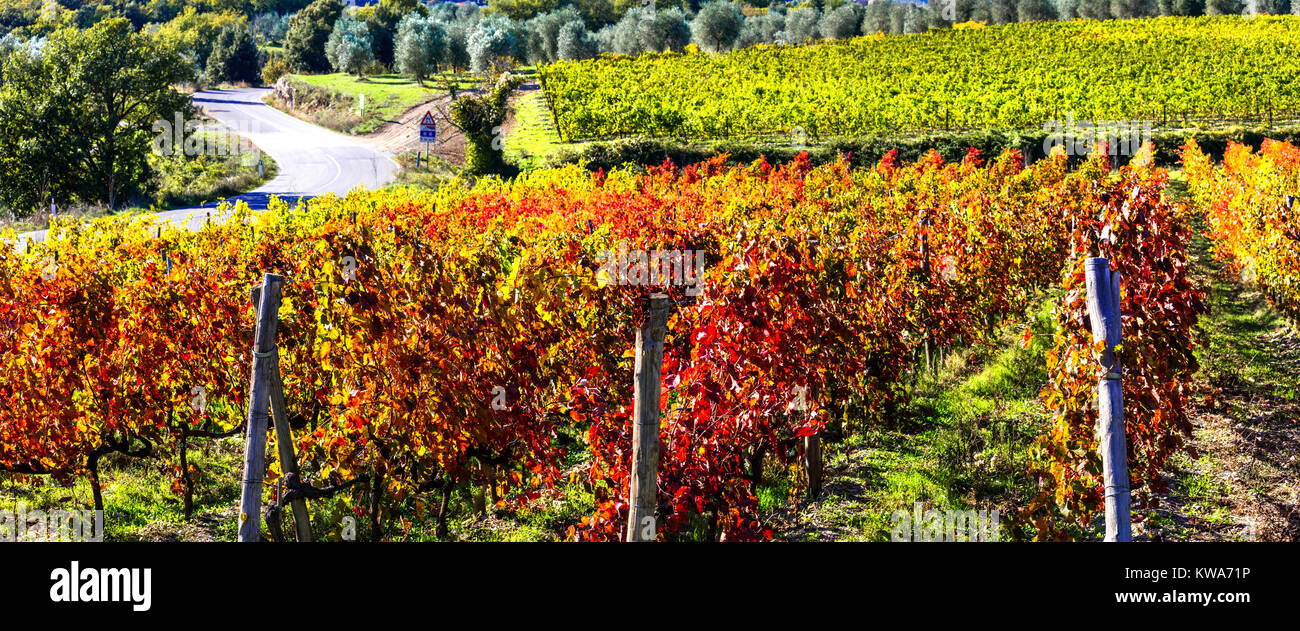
428	129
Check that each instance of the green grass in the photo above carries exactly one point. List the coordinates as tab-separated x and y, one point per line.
138	501
193	180
533	138
387	96
1233	354
1247	360
959	444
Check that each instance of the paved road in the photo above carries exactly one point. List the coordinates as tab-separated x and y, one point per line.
311	160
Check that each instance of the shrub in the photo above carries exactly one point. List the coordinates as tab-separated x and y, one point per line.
479	117
275	68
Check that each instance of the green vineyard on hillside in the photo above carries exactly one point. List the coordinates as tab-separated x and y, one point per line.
1013	77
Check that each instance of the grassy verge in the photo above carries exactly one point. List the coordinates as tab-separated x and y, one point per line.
41	220
532	139
430	172
334	100
193	180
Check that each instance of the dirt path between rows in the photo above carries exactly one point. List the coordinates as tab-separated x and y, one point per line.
1243	483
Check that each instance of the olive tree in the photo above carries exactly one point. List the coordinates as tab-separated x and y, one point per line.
492	42
716	26
419	46
841	22
350	47
801	25
574	42
668	29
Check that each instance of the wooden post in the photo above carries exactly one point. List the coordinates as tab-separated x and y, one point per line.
284	439
187	488
924	221
1104	314
643	490
259	400
812	464
284	445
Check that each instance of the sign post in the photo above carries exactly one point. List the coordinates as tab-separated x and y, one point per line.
428	131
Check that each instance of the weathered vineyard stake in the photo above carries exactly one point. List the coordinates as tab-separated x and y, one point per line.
259	400
924	221
1104	314
645	429
284	438
812	464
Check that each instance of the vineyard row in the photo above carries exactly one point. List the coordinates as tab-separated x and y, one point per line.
429	339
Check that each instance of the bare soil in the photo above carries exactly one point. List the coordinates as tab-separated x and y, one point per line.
403	135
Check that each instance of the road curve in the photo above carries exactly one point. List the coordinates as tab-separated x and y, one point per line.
311	160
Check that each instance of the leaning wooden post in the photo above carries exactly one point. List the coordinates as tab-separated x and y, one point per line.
284	438
1104	314
643	490
259	401
284	445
